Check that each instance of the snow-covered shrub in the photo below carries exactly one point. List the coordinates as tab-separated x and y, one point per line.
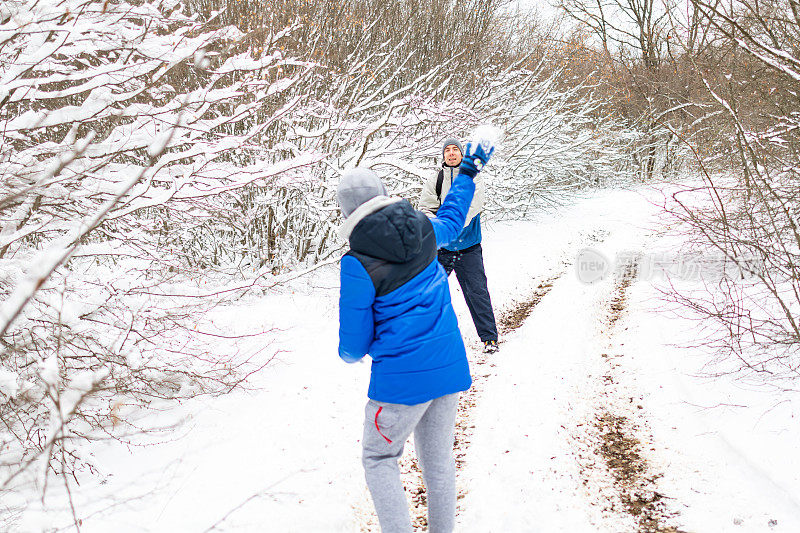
750	215
119	119
357	120
556	141
385	99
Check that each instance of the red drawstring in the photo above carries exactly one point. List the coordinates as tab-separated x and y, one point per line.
379	429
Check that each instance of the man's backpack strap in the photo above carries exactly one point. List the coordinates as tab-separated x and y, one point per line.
439	182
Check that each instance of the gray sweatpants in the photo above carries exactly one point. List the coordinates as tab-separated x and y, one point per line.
386	429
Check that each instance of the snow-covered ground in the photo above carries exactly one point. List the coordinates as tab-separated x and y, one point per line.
285	456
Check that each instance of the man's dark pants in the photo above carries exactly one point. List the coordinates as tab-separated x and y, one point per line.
468	264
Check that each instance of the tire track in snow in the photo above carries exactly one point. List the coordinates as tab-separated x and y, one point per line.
616	439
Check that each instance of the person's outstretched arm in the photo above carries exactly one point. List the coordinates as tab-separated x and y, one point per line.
449	220
356	321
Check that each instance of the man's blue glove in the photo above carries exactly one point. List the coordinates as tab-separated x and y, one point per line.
475	158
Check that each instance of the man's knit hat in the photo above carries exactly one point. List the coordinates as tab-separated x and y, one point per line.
357	186
452	140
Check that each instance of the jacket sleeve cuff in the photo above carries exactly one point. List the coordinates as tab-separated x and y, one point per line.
350	358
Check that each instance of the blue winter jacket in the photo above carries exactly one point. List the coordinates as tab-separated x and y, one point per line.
469	236
395	305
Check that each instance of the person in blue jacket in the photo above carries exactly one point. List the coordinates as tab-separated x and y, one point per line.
464	254
395	305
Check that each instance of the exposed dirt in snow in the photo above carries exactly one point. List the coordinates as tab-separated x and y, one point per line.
513	318
630	470
616	438
619	300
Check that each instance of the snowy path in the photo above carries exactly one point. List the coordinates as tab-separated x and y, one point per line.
590	369
538	422
566	420
538	410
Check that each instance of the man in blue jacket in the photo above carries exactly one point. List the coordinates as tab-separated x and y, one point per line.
395	306
464	253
